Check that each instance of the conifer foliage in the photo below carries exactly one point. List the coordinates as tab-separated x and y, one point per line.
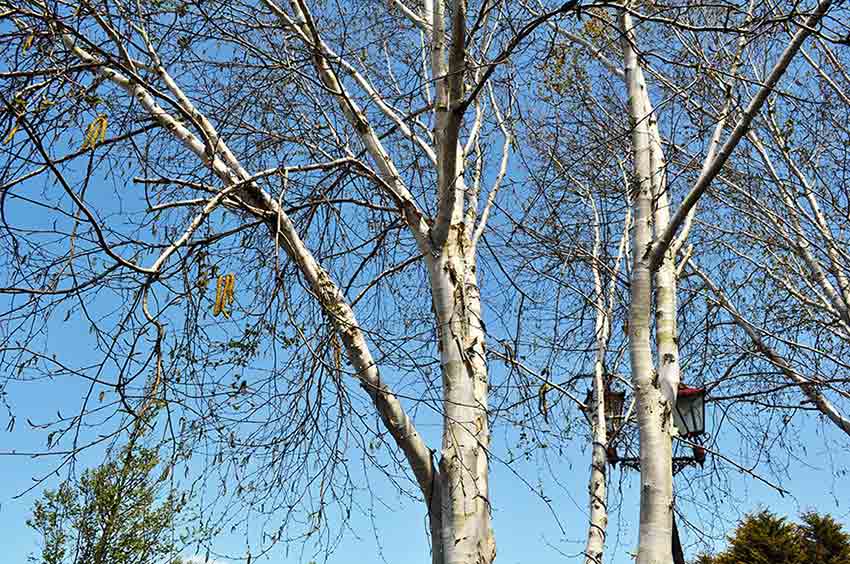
766	538
824	540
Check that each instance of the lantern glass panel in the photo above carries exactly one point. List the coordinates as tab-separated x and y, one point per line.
689	415
614	404
614	410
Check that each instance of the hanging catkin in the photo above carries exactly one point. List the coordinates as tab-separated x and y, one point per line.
96	132
224	294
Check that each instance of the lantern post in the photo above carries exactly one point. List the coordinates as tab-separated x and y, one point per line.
689	421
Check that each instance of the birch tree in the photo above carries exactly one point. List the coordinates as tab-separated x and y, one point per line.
659	235
259	138
599	412
655	253
288	182
793	235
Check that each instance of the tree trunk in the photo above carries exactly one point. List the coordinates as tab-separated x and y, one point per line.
466	532
597	487
653	412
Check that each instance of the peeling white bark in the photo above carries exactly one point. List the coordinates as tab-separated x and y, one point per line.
653	411
467	534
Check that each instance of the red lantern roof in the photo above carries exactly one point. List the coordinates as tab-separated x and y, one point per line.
688	391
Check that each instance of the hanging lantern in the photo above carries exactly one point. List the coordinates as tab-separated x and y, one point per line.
689	412
614	402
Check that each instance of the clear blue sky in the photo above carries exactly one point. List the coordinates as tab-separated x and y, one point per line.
525	528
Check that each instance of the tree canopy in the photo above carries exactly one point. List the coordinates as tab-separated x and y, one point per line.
334	242
115	513
766	538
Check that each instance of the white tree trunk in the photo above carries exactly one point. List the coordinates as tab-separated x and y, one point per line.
467	536
466	532
666	331
460	525
653	411
597	487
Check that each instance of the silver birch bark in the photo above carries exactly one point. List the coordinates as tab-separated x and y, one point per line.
666	332
597	484
331	298
467	535
460	528
653	412
656	255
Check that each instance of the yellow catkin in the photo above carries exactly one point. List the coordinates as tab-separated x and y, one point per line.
230	290
217	305
230	281
224	294
11	134
96	132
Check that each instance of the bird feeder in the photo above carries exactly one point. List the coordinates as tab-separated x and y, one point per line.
689	412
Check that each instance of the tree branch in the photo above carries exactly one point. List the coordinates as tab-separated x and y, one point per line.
709	173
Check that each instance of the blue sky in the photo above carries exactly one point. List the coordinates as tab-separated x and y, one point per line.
527	529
